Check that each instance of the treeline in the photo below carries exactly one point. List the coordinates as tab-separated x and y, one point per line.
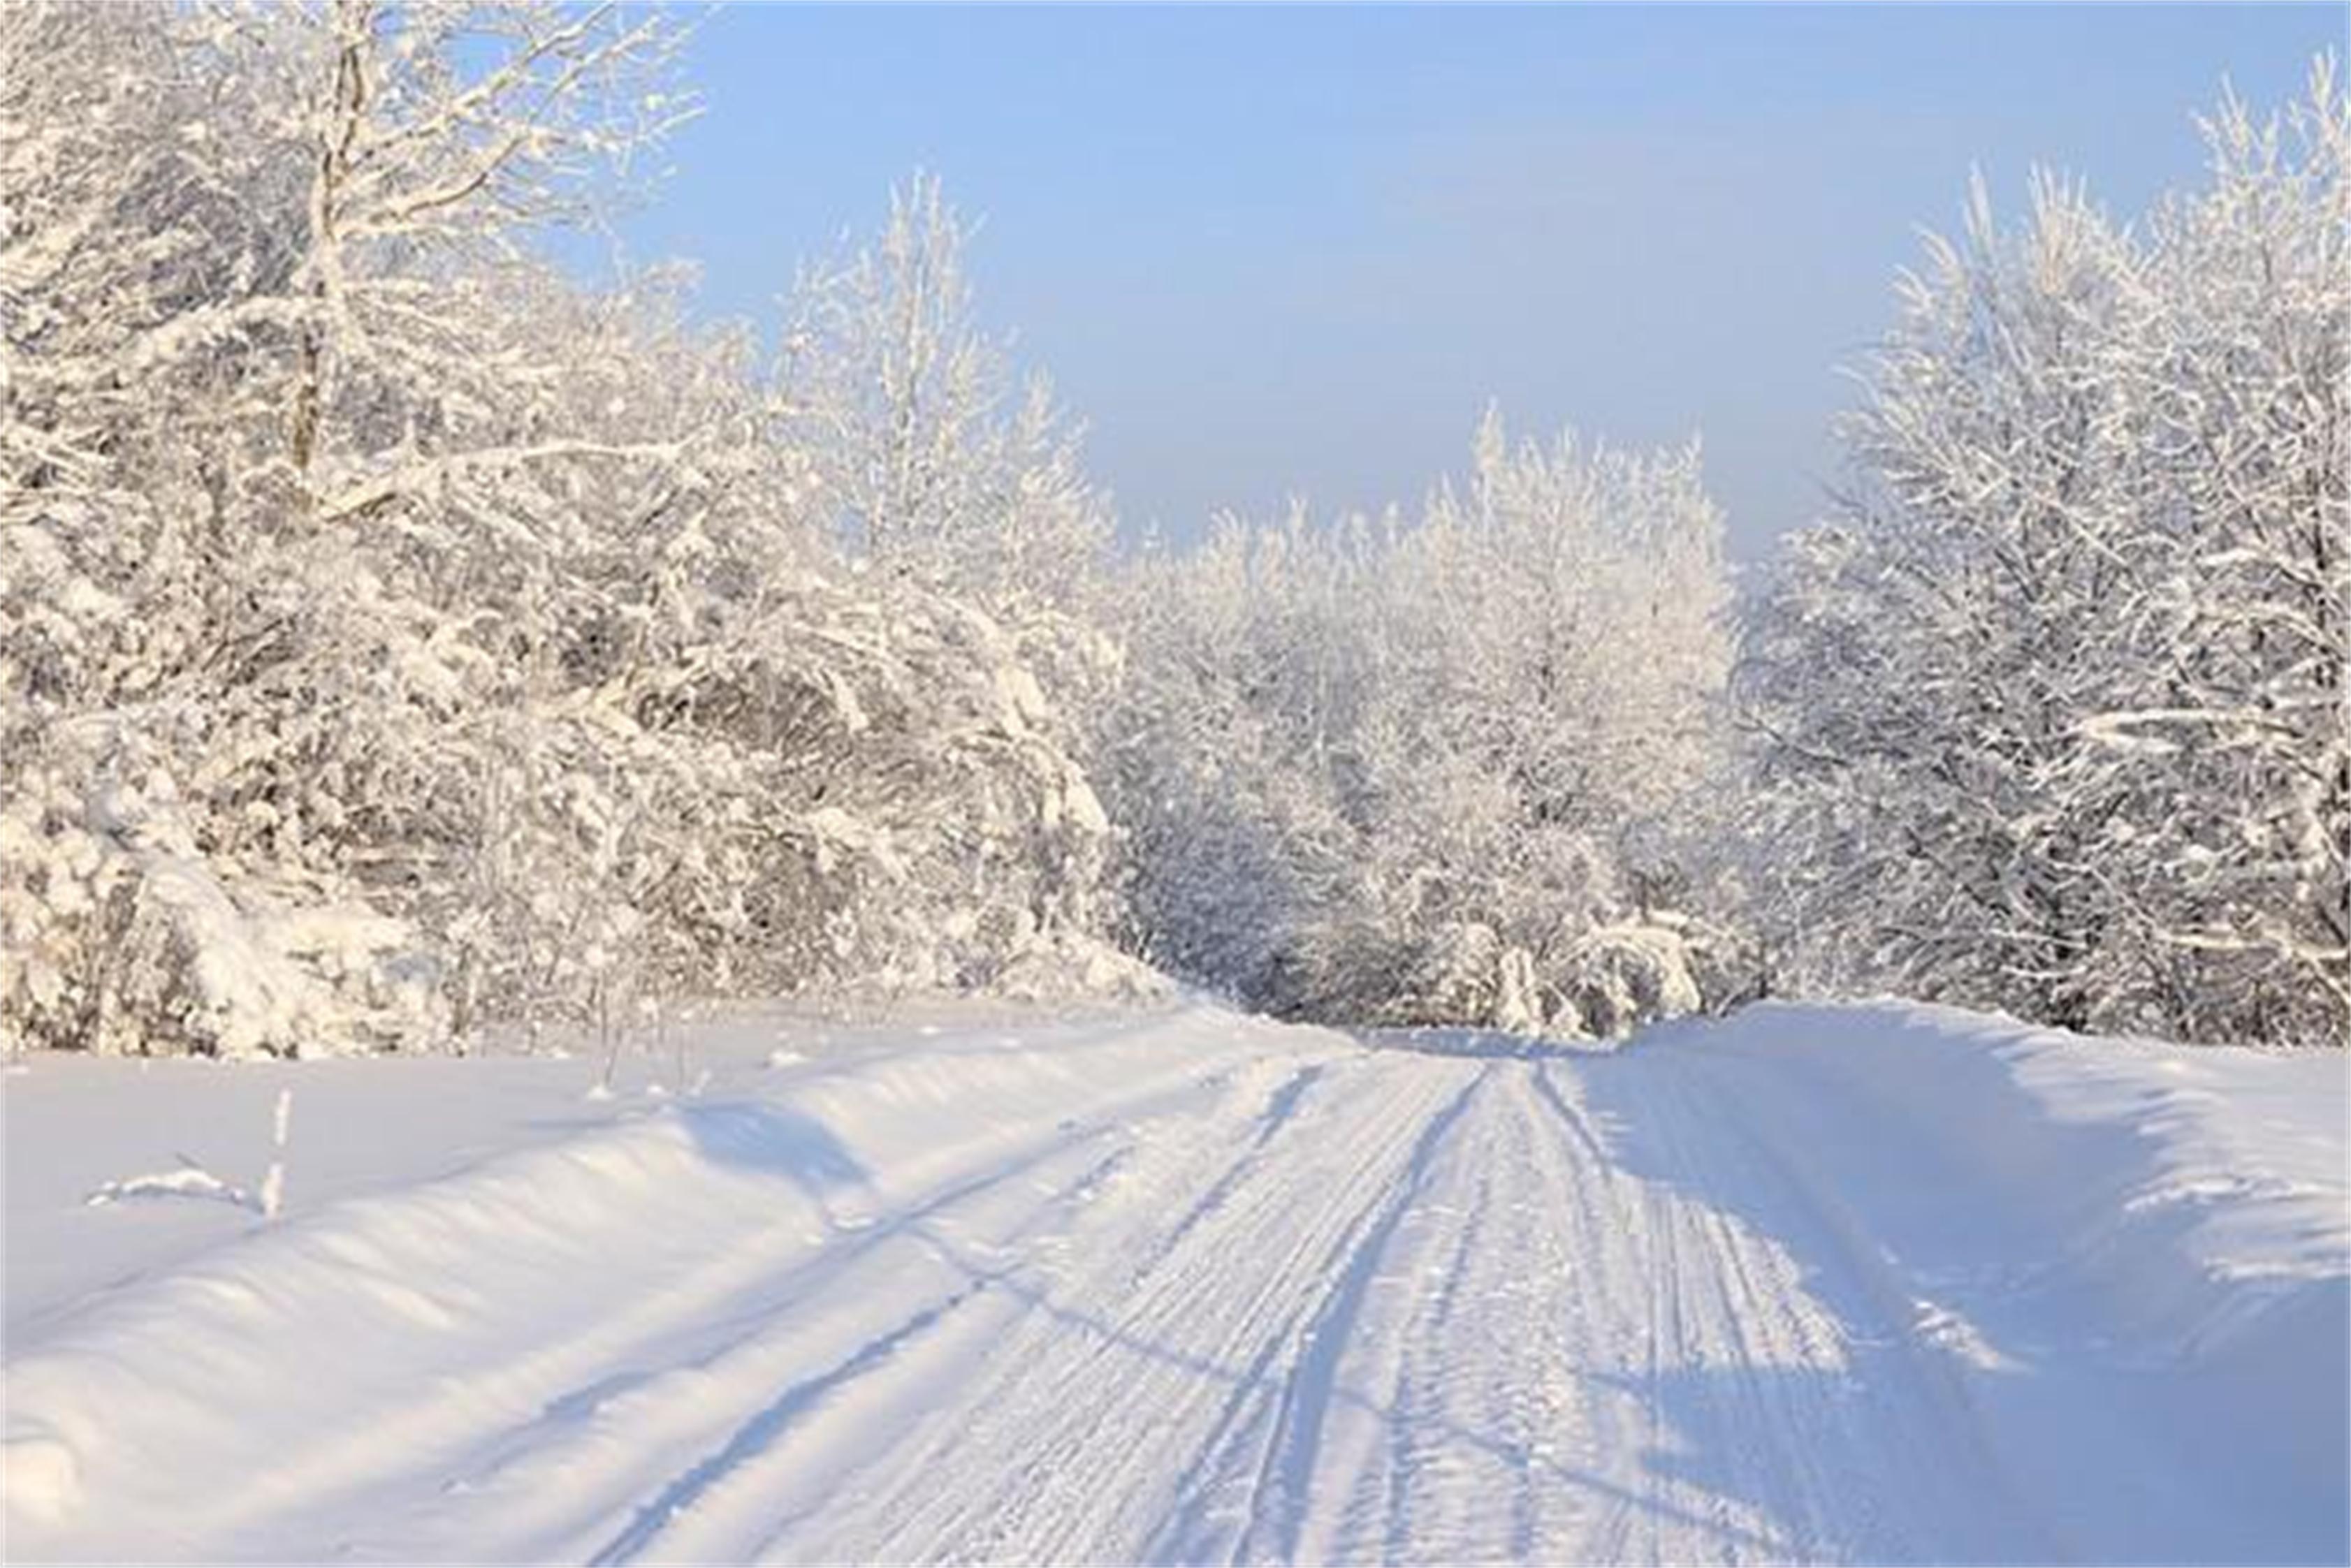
1444	770
399	637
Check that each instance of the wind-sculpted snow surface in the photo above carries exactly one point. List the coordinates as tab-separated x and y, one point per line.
1882	1284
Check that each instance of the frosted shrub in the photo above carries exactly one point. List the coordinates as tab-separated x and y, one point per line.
1621	976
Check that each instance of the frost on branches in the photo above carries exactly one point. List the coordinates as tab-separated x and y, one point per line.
395	637
1440	771
400	637
2054	715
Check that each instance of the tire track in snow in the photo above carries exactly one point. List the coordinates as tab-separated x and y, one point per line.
1277	1112
1191	1304
1418	1355
711	1400
1476	1416
1203	1522
1288	1472
1418	1348
1735	1337
1146	1354
760	1433
392	1442
1642	1240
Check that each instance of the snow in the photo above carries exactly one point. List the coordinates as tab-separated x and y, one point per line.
1879	1283
188	1181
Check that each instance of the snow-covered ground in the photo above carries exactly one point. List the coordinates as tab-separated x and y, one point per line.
1879	1283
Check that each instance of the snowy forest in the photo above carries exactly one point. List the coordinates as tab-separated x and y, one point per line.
402	639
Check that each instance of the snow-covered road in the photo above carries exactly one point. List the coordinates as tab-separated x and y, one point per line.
1871	1284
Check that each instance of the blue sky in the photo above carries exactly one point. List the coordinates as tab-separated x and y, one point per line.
1267	251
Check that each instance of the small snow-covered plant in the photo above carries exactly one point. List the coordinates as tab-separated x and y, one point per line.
1623	975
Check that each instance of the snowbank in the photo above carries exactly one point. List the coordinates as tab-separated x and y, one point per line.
2139	1255
462	1271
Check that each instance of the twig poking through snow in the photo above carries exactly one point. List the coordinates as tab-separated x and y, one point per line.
273	1186
192	1180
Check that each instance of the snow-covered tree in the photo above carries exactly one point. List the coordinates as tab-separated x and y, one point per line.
2242	749
933	459
2050	716
251	255
401	637
1426	773
947	476
1937	651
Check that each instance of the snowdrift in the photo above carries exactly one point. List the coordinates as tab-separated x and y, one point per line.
2138	1255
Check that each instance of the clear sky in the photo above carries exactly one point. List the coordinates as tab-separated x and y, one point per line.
1267	251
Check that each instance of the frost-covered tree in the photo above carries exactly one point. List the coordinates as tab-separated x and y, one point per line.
2050	715
946	475
1426	773
1936	650
2242	750
130	197
396	637
933	459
